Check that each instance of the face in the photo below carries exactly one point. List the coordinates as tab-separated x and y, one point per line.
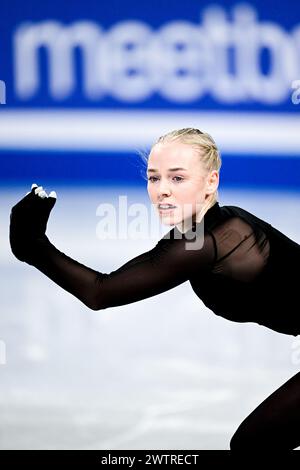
176	177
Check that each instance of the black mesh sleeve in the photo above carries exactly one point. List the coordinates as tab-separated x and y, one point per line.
165	266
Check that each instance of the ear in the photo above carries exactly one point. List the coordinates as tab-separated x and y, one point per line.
212	182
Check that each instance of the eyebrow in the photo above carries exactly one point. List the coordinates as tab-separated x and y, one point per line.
152	170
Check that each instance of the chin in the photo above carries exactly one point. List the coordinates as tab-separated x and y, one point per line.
170	220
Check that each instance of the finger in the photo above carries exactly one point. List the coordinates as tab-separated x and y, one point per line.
42	194
33	186
27	195
38	189
51	200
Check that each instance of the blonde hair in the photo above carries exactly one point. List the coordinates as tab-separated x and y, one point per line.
204	145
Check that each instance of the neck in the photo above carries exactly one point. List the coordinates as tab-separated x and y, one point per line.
187	224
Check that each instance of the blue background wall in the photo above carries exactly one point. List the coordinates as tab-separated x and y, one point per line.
239	69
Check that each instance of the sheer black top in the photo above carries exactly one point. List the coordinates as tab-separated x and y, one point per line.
242	268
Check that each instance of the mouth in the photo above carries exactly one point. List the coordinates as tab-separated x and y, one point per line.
166	208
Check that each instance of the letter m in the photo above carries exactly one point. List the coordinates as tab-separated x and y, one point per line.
59	41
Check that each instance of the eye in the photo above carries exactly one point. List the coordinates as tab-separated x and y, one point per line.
151	178
179	178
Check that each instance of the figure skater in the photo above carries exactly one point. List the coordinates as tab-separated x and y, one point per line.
240	266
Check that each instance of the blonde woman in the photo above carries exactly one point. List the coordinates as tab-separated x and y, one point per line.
240	266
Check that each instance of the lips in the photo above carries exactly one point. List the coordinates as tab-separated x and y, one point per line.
166	206
166	210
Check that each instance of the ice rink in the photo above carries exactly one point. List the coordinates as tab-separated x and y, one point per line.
162	373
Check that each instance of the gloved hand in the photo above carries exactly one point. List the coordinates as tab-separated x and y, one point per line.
28	221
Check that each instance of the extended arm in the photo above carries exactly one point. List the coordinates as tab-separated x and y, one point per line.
160	269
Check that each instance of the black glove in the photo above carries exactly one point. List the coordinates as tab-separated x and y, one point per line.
28	222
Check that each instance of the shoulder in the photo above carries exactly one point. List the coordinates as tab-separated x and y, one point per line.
238	224
235	212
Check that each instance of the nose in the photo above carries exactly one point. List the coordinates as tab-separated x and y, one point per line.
163	190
